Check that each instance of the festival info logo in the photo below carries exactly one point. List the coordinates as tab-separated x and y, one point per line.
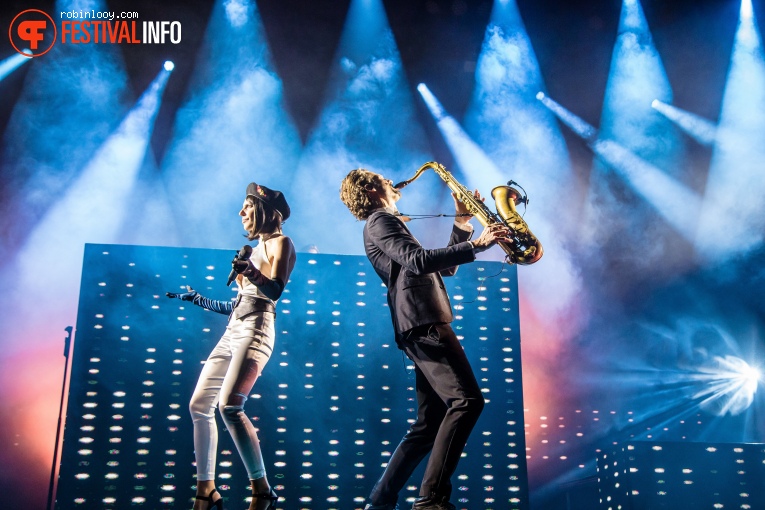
32	33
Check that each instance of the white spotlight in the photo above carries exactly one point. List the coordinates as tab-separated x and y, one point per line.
169	66
746	10
540	95
751	375
655	103
730	385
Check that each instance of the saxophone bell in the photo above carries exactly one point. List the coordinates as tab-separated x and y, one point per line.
525	247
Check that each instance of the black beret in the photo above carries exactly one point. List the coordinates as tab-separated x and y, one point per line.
271	197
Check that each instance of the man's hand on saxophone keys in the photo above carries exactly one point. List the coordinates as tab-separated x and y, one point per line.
463	214
490	236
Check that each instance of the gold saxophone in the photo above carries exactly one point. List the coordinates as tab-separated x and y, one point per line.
524	248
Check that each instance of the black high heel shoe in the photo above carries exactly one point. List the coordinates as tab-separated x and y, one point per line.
218	505
271	496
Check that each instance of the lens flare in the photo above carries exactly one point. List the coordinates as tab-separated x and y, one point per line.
729	385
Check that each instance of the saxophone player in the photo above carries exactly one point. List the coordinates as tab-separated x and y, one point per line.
449	399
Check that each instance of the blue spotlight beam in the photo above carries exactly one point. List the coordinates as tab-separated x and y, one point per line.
576	124
86	108
718	385
729	384
12	63
521	137
636	78
368	121
678	205
69	115
675	202
94	206
733	199
508	135
702	130
469	156
231	130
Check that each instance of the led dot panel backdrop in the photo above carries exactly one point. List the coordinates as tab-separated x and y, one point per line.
330	407
646	475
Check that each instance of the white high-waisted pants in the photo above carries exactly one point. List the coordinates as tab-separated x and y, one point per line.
226	379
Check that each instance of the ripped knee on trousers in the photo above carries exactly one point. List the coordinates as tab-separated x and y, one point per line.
231	413
233	407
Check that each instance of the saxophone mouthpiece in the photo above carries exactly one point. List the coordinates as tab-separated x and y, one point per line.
401	185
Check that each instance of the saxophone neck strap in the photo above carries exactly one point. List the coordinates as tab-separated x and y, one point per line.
426	216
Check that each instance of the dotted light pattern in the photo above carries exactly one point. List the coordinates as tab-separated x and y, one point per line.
330	407
568	443
645	474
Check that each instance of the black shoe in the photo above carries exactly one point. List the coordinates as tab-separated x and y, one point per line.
387	506
218	505
433	502
271	496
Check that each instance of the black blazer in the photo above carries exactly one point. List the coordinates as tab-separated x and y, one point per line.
416	293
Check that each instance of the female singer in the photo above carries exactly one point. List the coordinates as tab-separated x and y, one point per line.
239	357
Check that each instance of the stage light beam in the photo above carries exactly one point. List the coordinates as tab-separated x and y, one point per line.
746	12
509	135
752	375
702	130
94	206
12	63
735	186
238	12
232	126
729	385
636	77
477	166
577	125
516	133
368	121
675	202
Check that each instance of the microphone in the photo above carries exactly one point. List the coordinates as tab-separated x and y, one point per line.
525	198
243	254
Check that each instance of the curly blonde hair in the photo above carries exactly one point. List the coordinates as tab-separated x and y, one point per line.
353	192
